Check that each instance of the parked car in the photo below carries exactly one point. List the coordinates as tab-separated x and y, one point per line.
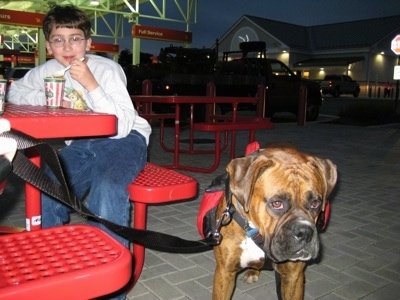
339	84
16	73
187	71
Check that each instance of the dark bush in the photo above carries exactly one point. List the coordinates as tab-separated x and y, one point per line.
371	113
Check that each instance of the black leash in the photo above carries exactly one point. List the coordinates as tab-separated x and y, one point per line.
29	172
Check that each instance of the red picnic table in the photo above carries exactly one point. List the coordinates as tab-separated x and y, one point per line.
41	122
232	123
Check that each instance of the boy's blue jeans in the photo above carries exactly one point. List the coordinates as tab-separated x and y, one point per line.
104	167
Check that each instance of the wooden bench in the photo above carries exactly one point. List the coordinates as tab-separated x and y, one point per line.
250	124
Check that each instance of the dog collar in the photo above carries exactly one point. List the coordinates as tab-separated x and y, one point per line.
251	232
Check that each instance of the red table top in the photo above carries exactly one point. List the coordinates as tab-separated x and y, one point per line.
43	123
193	99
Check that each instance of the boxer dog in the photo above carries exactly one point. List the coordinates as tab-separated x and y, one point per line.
275	197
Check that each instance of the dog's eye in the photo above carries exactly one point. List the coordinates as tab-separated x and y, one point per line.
315	203
277	204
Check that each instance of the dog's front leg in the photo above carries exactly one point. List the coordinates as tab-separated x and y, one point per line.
224	283
292	279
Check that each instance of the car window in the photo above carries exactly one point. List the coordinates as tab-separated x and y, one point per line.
332	77
279	69
347	78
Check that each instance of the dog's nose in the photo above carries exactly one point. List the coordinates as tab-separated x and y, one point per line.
303	233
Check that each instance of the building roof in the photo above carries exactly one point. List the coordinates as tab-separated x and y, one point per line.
346	35
294	36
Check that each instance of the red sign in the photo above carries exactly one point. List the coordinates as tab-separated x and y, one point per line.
396	45
161	34
102	47
26	59
21	18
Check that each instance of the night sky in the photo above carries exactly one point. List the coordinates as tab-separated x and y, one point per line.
215	17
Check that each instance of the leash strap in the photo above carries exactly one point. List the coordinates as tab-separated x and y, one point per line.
32	174
5	168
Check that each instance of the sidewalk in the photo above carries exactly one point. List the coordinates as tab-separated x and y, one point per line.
361	248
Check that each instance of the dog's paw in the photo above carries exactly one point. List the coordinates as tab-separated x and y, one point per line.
251	276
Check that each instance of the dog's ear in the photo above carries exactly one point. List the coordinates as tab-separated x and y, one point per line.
243	174
330	175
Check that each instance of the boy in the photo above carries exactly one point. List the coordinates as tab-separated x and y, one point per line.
102	166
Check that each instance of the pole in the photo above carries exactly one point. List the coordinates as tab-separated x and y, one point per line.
302	109
396	101
261	99
147	90
211	109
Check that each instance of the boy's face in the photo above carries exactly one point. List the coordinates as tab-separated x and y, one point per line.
65	53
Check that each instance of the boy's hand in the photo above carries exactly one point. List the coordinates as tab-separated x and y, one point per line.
81	73
8	146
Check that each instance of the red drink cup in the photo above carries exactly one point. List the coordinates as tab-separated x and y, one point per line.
3	86
54	90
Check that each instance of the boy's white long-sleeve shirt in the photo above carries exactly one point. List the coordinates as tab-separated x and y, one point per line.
111	96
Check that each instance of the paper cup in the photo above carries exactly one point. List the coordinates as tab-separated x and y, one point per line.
54	90
3	87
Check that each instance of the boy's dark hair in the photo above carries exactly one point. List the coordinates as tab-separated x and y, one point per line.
68	16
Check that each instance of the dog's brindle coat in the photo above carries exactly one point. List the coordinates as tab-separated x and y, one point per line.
281	192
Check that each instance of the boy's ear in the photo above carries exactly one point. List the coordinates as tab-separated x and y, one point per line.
48	48
88	44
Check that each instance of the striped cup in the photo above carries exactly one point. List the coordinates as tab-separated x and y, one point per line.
3	86
54	90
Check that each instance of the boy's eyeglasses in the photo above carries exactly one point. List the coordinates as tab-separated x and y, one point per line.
73	41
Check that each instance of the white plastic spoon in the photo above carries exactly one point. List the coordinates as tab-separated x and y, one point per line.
62	71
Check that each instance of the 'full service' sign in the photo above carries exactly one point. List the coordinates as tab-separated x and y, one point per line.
161	34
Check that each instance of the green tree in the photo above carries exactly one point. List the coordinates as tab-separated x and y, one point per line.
125	58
